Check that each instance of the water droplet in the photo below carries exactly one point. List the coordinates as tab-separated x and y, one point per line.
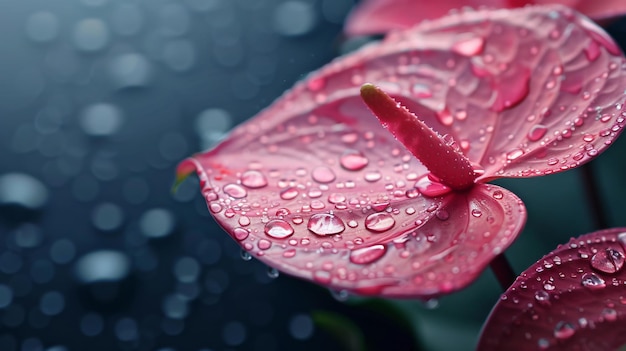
543	344
368	255
469	47
380	206
322	277
498	195
476	213
537	132
514	154
372	176
379	222
609	314
253	179
340	295
430	187
245	255
323	175
264	244
592	281
325	224
278	229
289	193
235	190
445	117
240	234
442	215
608	260
563	330
336	198
353	160
542	296
272	272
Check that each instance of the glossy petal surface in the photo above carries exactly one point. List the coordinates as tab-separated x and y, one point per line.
382	16
571	299
314	186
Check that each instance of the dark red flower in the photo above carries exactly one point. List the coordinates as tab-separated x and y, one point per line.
316	187
574	298
382	16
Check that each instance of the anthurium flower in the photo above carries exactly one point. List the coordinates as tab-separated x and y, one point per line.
571	299
317	187
382	16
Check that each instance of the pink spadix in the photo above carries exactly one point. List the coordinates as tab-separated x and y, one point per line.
446	163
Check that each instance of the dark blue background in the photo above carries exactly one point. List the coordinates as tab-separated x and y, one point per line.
99	100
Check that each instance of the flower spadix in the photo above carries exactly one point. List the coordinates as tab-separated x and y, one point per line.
316	187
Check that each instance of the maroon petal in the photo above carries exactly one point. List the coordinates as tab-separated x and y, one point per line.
574	298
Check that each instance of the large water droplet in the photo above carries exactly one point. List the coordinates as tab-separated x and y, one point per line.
592	281
325	224
368	255
289	193
563	330
253	179
608	260
379	222
429	186
353	160
278	229
323	175
537	132
235	190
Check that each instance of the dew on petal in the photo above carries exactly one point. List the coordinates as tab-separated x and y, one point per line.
278	229
469	47
608	261
323	175
379	222
240	234
253	179
289	193
563	330
235	190
368	255
430	187
514	154
537	132
353	160
325	224
592	281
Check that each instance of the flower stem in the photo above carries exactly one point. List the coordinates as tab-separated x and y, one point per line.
593	196
503	271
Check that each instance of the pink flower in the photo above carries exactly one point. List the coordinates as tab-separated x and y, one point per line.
382	16
571	299
316	187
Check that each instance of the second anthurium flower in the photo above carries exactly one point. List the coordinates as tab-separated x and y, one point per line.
316	187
